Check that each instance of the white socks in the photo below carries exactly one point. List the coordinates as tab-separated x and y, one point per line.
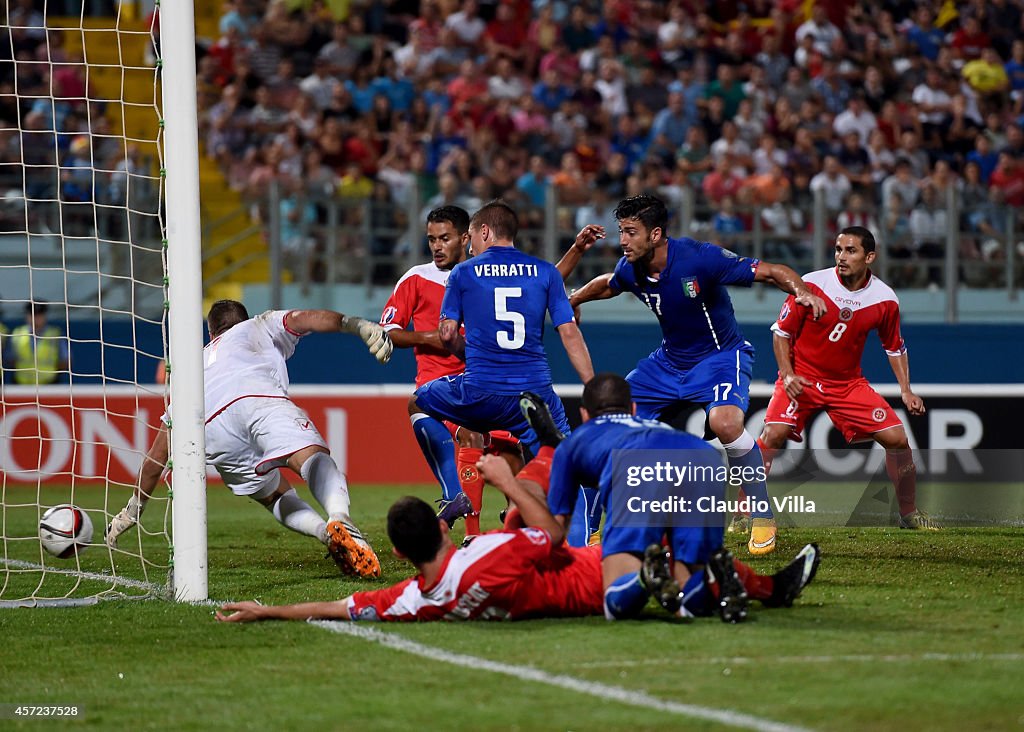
740	446
299	516
327	484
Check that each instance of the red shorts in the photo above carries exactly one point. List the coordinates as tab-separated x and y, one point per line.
497	441
857	410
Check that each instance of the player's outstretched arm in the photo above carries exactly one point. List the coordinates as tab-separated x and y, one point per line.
329	321
247	612
793	383
588	235
901	369
789	281
153	465
576	348
415	338
526	495
597	289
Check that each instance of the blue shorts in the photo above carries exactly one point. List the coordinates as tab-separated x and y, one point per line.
689	544
451	398
723	378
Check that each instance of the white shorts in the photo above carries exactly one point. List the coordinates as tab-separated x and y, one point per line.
252	437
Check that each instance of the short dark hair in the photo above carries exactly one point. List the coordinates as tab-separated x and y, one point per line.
31	308
867	239
607	393
647	209
454	215
224	315
414	529
499	218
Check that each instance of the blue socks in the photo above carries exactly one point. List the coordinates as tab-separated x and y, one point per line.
695	596
586	518
625	597
745	454
439	449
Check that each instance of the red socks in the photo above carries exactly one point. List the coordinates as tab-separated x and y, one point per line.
899	464
767	455
472	484
538	470
758	586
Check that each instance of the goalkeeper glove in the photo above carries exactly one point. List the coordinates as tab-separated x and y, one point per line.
127	518
373	335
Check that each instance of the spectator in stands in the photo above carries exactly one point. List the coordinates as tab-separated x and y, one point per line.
833	185
819	29
903	183
856	118
722	181
726	223
928	231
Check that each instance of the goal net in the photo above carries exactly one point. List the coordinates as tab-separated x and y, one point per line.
83	298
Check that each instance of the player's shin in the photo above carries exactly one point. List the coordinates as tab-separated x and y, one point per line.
899	465
625	597
298	515
327	484
439	450
746	463
767	455
472	484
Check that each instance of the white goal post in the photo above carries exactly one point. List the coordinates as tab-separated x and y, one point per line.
99	229
185	317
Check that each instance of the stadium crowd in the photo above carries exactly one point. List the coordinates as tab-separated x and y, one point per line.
751	106
879	105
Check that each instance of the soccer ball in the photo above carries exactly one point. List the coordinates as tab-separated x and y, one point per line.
65	530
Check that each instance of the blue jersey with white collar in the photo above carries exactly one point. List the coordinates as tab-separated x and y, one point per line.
586	456
690	299
502	297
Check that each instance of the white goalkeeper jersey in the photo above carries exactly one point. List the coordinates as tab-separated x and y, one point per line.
248	360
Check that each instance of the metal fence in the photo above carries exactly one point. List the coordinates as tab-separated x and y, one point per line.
329	240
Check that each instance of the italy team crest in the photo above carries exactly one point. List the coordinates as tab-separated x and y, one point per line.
691	287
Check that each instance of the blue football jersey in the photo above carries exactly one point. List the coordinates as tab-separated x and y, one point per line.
690	298
502	297
586	456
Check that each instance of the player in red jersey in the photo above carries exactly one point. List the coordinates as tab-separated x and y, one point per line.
502	575
416	300
819	367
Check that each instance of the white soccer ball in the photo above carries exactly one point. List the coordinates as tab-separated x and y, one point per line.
65	530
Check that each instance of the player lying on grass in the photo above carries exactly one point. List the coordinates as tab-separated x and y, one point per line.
702	576
819	367
253	428
703	357
501	575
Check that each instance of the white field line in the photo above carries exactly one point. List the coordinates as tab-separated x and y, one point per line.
150	587
604	692
109	578
840	658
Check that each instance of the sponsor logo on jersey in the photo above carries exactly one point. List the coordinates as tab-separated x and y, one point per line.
690	285
536	536
878	415
304	424
845	315
729	254
388	315
846	301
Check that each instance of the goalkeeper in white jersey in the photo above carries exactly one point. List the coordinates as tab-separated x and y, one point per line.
253	428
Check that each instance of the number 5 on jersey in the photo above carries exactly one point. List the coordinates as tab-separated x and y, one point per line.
502	313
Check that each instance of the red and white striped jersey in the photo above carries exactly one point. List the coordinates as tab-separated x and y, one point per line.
417	299
502	575
830	348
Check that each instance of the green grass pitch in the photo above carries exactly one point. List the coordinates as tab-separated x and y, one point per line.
899	631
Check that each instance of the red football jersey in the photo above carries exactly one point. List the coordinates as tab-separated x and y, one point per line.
502	575
417	300
830	348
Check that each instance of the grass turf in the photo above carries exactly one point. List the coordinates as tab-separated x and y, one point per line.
900	630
